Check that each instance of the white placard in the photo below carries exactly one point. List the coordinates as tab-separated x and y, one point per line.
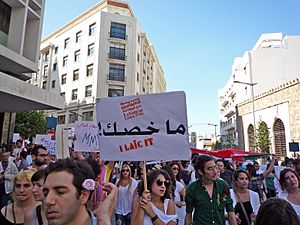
143	127
87	137
50	145
16	136
40	138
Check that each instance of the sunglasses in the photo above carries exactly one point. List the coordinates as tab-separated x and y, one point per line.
160	182
175	168
126	170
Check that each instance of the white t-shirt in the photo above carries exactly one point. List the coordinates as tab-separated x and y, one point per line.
296	207
125	198
179	211
16	152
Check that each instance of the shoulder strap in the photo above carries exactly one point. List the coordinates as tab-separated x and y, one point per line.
243	208
39	215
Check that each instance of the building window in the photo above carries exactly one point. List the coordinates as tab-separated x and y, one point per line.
88	91
54	66
77	56
74	94
46	71
66	43
78	37
138	57
112	92
139	37
91	49
88	116
55	50
61	119
5	14
116	72
117	51
89	70
44	84
137	77
73	117
53	84
75	74
63	94
118	30
92	29
46	57
63	78
65	61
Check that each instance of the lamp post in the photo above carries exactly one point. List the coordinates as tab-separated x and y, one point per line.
252	100
215	125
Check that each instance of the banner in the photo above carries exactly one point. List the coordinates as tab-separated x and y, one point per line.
87	137
143	127
50	145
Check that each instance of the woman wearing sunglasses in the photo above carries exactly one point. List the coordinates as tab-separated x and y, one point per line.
126	185
154	206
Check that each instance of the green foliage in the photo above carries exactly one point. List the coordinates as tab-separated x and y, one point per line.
28	124
262	137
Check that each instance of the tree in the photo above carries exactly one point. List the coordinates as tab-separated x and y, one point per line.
28	124
262	137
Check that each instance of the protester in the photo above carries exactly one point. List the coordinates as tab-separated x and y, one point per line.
40	157
270	184
244	199
153	206
297	166
36	216
23	199
17	149
127	186
176	168
256	181
289	181
23	163
225	174
67	187
209	196
6	178
276	211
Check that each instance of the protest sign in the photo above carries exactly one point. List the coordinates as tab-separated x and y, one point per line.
87	137
40	138
143	127
16	136
50	145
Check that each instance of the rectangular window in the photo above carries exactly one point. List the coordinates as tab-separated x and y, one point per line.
117	51
88	91
53	84
88	116
89	70
91	49
92	29
138	57
61	119
63	94
5	14
116	72
54	66
77	56
46	71
73	117
137	76
66	43
65	61
44	84
78	37
74	94
75	74
46	57
55	50
118	30
63	78
112	92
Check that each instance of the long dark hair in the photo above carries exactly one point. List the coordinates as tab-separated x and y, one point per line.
151	177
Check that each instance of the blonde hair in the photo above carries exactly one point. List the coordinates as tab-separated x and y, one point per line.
25	174
122	177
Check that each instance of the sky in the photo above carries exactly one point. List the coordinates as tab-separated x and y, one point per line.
196	41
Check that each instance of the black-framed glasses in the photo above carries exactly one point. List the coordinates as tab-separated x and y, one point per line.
161	182
125	170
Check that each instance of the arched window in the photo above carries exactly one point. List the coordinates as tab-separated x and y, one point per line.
251	137
279	138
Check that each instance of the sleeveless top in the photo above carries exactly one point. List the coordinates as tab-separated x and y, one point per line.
4	221
163	216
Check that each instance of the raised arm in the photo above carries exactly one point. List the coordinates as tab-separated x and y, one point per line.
271	167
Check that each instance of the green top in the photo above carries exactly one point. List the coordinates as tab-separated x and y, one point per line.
207	210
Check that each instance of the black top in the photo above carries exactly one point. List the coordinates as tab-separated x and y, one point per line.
4	221
248	208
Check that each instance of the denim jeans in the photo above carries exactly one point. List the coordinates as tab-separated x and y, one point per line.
123	220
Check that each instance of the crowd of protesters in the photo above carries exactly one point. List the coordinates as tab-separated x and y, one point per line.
36	189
